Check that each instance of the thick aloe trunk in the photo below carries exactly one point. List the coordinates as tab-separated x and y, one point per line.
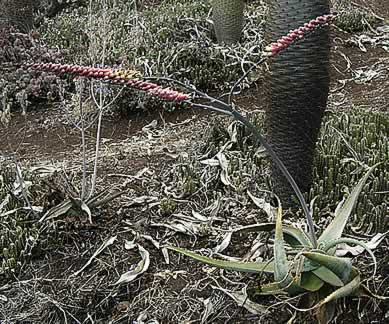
297	91
228	20
17	13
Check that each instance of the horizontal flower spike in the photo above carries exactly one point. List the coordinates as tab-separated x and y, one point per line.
181	97
284	42
288	39
149	86
321	19
84	72
125	77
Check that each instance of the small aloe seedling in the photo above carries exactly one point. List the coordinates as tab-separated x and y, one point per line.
303	268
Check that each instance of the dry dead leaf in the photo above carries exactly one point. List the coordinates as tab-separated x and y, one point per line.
140	268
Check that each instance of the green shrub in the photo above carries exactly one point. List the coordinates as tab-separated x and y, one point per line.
347	143
19	229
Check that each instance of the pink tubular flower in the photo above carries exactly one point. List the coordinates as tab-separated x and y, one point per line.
125	77
284	42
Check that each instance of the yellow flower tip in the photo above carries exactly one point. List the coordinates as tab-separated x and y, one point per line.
267	53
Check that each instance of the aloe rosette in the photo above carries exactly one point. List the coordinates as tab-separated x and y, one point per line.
302	268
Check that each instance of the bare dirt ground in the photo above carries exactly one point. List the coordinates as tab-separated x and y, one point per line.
137	157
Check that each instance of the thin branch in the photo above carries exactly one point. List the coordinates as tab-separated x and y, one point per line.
83	142
262	60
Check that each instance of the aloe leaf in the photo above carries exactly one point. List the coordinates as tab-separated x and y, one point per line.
309	266
272	288
329	245
343	211
96	201
299	271
311	282
294	236
341	267
328	276
347	290
281	264
268	289
58	210
252	267
86	209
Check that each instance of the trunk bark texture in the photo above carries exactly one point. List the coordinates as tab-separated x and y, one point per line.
228	20
297	88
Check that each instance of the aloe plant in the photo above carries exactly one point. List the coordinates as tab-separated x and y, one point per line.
304	268
228	20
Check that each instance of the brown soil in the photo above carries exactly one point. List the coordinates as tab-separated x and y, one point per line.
172	293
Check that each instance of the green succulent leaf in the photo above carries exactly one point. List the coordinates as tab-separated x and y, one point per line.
294	236
274	288
341	267
329	245
281	264
311	282
309	265
252	267
268	289
343	212
328	276
349	289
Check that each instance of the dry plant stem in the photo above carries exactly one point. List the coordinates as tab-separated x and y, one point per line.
98	138
83	144
262	60
210	108
283	169
100	108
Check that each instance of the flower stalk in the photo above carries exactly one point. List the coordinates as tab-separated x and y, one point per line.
286	41
128	78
